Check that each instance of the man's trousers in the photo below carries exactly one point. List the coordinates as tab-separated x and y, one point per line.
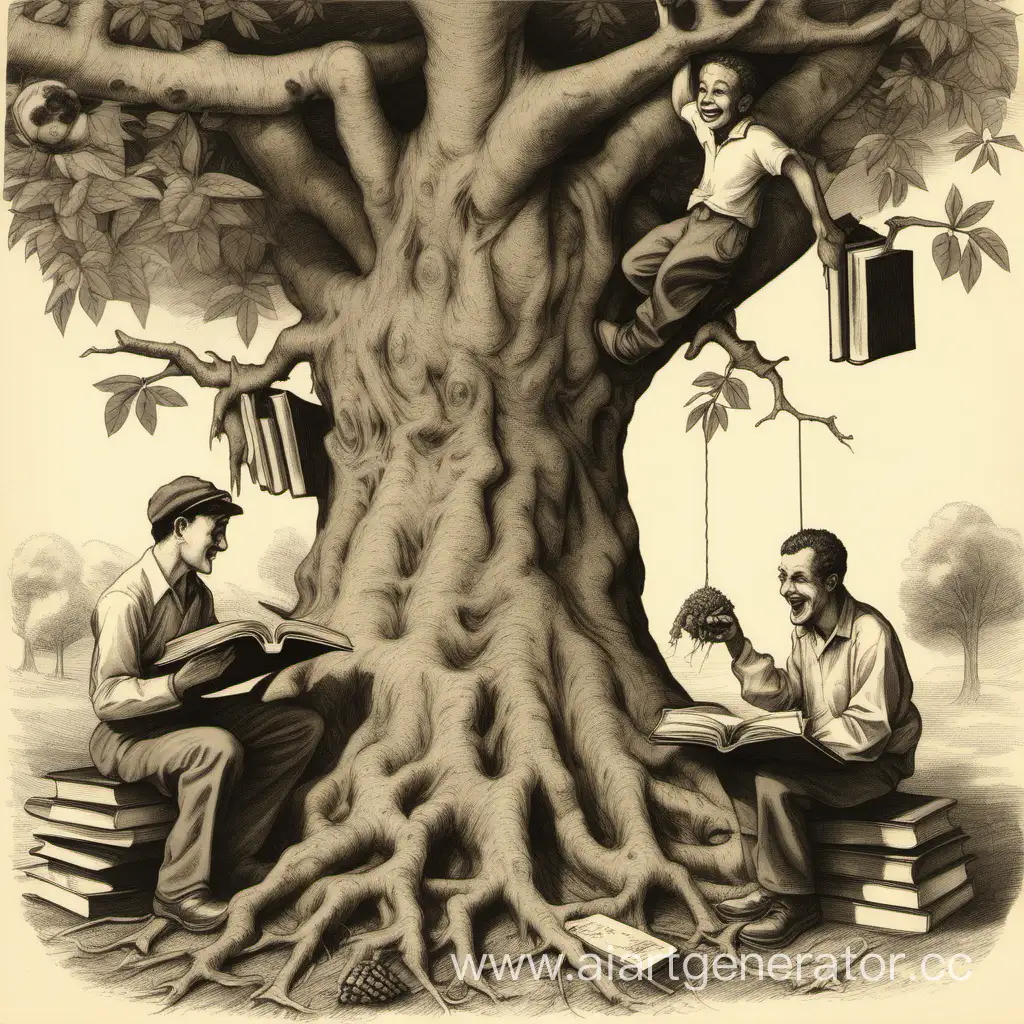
771	800
230	766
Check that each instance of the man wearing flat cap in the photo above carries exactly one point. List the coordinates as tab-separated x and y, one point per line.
230	762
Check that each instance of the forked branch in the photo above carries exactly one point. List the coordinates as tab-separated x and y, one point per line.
744	355
546	113
294	345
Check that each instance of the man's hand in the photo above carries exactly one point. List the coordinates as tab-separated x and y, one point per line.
722	628
664	13
203	668
830	245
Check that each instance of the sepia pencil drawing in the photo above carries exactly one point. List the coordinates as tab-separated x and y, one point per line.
498	221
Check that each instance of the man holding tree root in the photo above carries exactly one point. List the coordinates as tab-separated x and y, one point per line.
849	678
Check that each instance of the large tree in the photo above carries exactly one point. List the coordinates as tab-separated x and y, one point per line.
444	190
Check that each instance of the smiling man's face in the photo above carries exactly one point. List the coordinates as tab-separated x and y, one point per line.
201	541
720	98
806	593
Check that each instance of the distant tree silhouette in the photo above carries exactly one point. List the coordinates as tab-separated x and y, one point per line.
964	575
54	587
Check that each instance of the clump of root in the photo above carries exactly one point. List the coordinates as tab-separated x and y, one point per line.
694	614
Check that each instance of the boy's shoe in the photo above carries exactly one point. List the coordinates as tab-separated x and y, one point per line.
745	908
789	917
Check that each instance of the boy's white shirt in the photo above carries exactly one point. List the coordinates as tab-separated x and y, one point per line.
734	169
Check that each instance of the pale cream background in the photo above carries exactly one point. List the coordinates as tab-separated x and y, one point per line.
942	424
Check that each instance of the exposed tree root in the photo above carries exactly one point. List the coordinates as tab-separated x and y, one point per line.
437	785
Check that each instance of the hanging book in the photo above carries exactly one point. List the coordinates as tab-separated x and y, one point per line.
871	298
301	427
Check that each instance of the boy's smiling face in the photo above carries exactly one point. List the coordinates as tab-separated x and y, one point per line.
721	101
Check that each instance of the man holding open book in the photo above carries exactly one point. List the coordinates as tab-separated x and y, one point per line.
229	763
848	677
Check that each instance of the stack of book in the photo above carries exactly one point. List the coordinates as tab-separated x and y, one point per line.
870	297
284	438
101	843
897	863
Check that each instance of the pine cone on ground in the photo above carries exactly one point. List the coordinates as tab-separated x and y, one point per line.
371	981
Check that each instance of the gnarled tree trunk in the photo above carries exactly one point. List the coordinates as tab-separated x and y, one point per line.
486	741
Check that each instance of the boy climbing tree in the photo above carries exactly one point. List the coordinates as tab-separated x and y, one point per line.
676	264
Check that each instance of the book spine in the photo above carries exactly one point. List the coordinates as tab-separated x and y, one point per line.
250	443
275	456
292	459
249	416
836	320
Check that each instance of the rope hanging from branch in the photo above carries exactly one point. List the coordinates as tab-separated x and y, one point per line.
707	519
800	468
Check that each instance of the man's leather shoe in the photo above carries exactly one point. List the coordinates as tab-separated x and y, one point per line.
198	912
789	917
745	908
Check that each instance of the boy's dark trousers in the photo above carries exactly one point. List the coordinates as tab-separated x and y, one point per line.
230	763
676	265
772	798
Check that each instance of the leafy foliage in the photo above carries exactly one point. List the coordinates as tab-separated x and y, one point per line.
947	253
721	392
952	66
594	18
48	12
103	228
970	141
126	389
170	23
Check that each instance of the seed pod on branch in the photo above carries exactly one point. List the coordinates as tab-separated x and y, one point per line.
49	114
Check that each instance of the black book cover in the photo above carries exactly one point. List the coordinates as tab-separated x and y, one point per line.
889	306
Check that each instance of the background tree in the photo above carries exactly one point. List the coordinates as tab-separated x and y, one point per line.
54	588
44	572
444	192
964	576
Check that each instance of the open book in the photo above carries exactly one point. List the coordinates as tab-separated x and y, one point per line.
258	648
711	725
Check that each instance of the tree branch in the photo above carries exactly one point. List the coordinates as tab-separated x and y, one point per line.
303	179
312	268
785	26
636	145
744	355
546	112
364	131
293	345
203	77
473	51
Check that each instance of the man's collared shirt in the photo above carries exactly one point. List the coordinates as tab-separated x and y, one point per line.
854	688
734	168
132	623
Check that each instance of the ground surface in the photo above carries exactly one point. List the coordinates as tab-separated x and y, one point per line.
970	754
